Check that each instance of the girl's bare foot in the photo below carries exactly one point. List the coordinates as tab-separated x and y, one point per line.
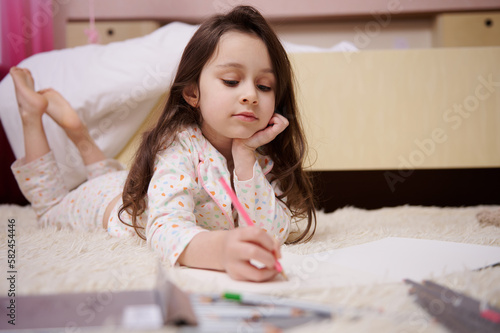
65	116
31	104
61	111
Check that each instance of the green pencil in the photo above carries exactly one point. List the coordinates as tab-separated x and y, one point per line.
258	299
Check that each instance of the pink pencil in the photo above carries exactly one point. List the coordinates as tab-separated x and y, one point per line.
244	214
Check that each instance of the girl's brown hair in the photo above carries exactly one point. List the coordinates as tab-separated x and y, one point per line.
287	150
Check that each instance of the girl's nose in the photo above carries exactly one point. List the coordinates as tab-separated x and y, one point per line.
249	96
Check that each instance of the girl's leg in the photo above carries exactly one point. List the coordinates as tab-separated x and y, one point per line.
37	173
32	106
65	116
94	159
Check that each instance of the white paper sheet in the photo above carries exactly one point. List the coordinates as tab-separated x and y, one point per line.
394	259
382	261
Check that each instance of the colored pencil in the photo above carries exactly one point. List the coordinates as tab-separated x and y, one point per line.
218	314
483	310
458	312
258	299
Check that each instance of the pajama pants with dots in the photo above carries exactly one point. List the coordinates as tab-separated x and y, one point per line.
83	208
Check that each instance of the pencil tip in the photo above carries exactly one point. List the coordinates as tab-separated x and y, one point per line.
284	275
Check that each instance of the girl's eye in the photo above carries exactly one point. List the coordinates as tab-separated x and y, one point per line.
230	83
264	88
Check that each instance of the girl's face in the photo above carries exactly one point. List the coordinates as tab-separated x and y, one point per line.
236	88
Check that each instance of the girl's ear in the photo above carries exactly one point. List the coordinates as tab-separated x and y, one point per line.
190	94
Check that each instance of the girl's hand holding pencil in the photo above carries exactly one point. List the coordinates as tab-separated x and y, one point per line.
254	243
246	245
235	252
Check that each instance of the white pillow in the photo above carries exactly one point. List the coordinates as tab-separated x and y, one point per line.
112	87
343	46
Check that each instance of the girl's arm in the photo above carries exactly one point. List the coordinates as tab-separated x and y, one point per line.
259	197
243	150
171	221
231	251
254	190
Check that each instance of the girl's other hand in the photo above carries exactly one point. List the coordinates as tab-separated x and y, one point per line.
277	124
243	149
244	244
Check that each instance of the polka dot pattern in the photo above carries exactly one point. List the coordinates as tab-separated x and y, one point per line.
83	208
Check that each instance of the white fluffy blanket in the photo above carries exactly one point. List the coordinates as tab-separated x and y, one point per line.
56	261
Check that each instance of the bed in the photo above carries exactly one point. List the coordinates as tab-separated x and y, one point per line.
358	121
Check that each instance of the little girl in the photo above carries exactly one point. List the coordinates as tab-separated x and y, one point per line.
231	108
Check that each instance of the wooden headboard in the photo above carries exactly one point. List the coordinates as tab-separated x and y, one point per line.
401	109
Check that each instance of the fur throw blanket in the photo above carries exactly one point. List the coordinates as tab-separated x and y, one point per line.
59	261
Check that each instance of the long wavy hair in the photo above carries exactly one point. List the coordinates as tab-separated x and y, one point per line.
287	150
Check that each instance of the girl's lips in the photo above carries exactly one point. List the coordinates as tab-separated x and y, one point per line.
246	116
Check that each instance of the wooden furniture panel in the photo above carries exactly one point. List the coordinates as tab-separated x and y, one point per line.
109	31
434	108
467	29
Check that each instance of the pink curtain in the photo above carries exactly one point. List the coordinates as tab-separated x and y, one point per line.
26	27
